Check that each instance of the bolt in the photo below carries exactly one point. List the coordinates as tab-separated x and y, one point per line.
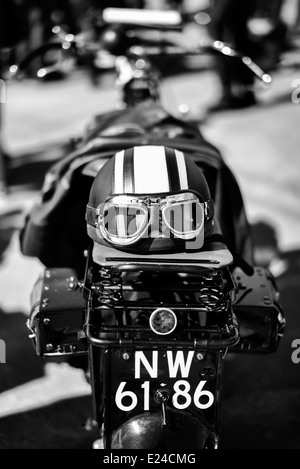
126	356
200	356
162	396
46	321
49	347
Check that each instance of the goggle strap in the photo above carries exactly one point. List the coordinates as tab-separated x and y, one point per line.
92	215
209	209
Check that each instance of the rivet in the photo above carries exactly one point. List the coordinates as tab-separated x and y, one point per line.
200	356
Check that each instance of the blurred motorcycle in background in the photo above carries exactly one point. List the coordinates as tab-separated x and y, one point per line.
149	280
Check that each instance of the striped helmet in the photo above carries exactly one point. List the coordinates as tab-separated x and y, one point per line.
150	198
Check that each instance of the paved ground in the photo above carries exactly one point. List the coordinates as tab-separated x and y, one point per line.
43	405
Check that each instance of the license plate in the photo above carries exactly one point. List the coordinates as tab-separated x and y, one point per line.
178	372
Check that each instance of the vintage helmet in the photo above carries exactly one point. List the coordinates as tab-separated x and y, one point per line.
150	199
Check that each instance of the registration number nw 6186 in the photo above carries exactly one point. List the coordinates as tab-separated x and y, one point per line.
178	368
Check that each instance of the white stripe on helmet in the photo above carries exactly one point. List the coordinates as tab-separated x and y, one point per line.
183	177
119	172
150	170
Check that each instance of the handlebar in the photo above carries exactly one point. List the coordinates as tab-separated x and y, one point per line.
135	18
227	50
17	70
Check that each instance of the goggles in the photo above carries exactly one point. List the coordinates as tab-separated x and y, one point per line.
126	219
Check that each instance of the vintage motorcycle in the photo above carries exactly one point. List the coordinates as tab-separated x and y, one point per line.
149	279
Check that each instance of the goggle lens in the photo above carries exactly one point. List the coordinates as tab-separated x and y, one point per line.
124	221
184	218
